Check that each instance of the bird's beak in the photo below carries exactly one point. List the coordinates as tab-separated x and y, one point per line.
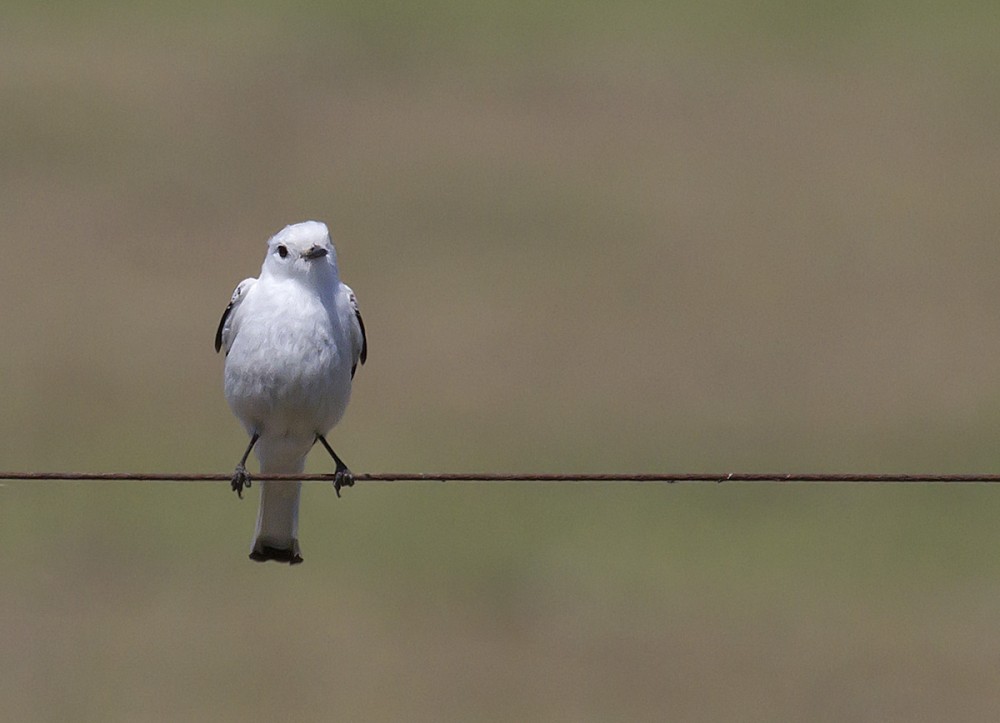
316	252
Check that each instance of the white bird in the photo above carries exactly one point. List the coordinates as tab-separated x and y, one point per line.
293	339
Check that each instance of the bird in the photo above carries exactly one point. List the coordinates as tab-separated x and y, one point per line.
293	339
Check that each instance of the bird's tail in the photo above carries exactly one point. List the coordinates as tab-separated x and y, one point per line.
277	535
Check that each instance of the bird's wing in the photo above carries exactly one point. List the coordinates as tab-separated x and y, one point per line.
227	332
359	341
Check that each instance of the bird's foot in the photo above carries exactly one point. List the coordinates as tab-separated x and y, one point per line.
241	479
343	477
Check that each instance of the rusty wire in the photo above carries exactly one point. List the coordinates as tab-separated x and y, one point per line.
516	477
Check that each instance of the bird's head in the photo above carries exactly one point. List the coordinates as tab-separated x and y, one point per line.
301	250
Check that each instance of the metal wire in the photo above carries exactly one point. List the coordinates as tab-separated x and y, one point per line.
514	477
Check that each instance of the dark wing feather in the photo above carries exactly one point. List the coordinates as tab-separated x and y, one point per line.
222	324
363	356
364	337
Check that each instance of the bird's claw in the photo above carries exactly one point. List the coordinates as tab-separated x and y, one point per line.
343	477
241	479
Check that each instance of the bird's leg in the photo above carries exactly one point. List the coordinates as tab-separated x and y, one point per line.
342	477
241	478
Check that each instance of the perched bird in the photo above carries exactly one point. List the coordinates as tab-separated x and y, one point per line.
293	339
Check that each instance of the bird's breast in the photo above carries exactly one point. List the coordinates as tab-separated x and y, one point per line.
288	370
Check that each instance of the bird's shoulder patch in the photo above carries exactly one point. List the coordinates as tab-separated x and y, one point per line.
223	335
362	354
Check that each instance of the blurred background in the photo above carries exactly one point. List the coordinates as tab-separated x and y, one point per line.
591	236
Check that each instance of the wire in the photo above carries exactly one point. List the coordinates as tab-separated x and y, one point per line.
493	477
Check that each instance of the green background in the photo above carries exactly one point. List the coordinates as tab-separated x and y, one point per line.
605	237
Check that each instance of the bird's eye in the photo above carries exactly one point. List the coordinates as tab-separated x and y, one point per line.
282	250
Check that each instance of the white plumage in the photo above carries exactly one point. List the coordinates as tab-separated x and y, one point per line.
293	339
